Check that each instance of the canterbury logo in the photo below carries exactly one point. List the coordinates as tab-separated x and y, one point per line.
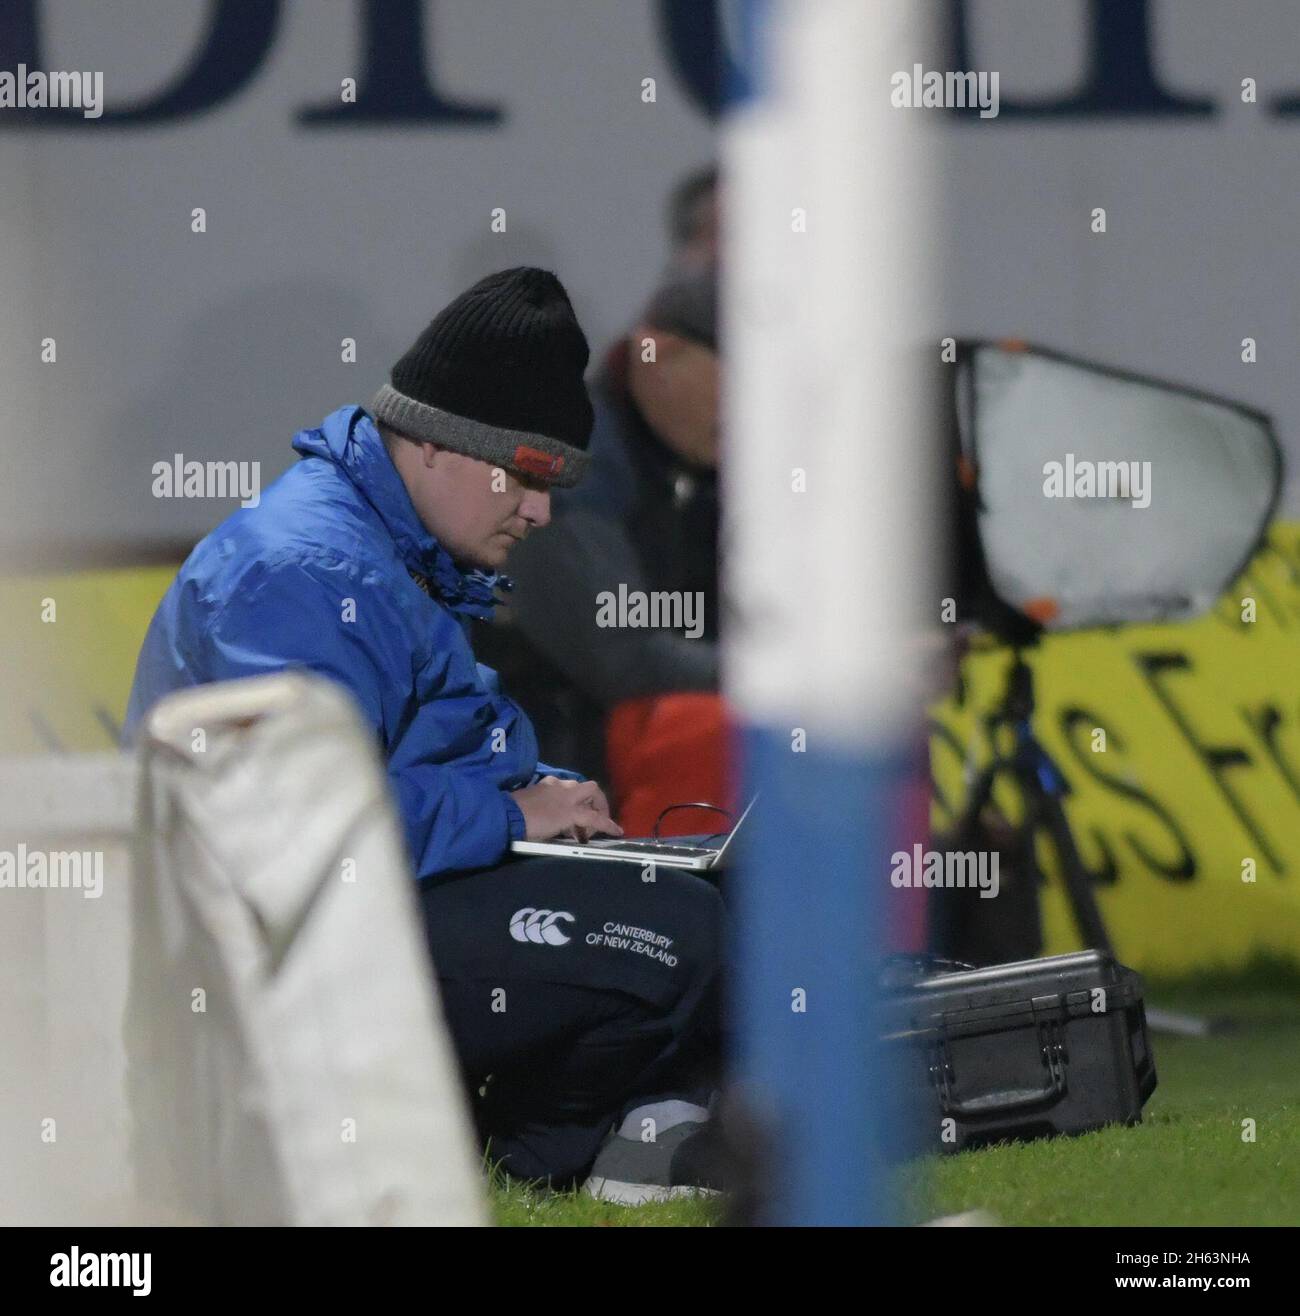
539	925
536	462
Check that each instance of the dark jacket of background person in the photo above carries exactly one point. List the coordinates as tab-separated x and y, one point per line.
644	519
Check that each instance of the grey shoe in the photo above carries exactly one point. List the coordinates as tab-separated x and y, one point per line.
678	1163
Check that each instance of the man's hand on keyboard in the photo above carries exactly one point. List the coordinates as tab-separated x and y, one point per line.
554	808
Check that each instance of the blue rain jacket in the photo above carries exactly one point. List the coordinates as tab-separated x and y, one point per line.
269	588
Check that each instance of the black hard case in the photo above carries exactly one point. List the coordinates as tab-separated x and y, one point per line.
1019	1050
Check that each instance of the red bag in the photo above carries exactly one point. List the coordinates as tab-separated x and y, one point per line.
670	749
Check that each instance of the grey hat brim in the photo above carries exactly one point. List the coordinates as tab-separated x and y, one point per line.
515	450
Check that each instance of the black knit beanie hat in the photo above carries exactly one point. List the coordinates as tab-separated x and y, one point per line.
498	375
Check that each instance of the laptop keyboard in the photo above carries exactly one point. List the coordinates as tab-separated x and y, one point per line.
653	848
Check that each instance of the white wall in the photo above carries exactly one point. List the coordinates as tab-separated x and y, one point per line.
222	345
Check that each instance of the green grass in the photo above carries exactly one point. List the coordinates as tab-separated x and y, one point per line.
518	1204
1186	1164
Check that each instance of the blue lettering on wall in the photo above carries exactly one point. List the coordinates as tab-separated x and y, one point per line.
395	86
691	31
239	38
1120	79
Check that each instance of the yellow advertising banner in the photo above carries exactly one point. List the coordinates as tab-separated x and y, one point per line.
1180	745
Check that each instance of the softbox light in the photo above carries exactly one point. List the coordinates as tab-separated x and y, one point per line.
1098	497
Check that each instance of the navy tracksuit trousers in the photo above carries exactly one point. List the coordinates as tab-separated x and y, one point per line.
577	990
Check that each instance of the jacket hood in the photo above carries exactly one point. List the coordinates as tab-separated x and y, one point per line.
349	439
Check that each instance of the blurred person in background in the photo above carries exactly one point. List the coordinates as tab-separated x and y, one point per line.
368	562
641	701
694	216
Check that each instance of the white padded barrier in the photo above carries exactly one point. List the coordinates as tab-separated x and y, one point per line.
285	1059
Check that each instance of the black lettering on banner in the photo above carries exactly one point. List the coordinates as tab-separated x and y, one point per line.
1264	721
1156	668
1184	869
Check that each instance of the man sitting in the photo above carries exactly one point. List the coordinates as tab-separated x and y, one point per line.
367	562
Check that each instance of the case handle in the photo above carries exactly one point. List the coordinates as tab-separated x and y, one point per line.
1010	1099
988	1103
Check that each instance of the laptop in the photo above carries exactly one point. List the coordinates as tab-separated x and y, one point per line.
668	854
